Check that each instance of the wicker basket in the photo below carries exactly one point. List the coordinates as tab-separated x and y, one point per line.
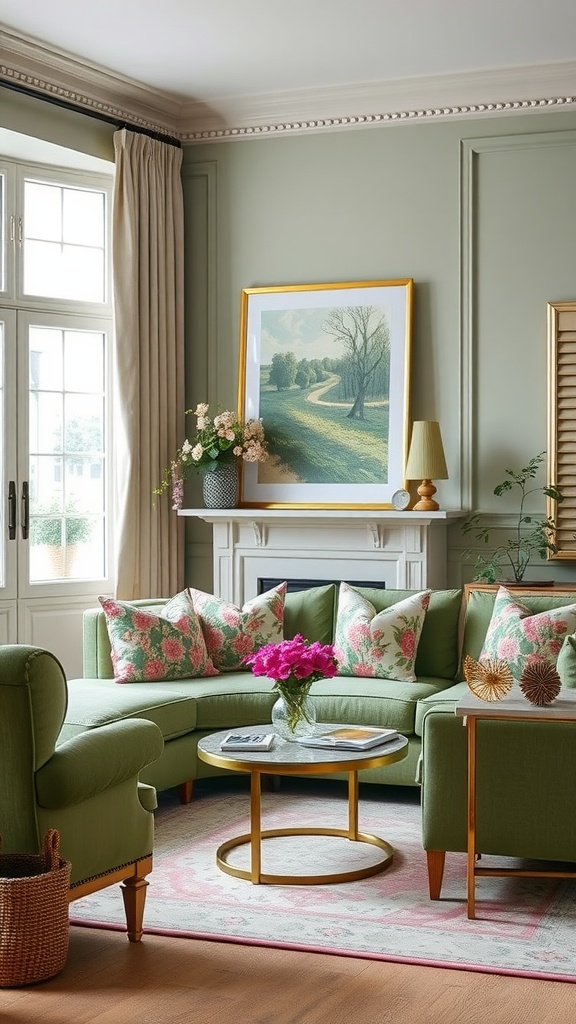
34	923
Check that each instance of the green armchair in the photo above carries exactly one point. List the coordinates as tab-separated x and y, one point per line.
87	787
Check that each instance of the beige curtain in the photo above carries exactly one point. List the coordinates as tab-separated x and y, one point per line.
148	260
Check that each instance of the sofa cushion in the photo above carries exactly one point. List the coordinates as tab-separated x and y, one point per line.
96	702
380	702
149	646
520	637
566	664
311	613
380	644
446	699
231	633
437	653
479	608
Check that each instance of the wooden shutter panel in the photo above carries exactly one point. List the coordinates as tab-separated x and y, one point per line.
562	422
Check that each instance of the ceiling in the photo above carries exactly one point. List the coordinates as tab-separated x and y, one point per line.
229	56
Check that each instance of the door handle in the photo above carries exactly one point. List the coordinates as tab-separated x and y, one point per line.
25	510
11	510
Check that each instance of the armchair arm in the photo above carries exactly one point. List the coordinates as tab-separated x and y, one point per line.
97	760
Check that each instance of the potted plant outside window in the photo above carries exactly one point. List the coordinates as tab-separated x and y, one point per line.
46	529
531	535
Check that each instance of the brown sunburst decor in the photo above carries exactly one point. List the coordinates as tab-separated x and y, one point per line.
540	683
490	679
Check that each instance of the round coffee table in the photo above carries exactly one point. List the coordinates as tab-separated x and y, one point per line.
287	758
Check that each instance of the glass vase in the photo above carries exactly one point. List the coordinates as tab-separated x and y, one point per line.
294	714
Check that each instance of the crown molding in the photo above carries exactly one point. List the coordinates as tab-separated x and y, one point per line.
59	76
63	77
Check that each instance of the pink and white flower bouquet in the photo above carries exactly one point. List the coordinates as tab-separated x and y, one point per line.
222	439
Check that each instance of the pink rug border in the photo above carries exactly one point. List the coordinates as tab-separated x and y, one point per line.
385	957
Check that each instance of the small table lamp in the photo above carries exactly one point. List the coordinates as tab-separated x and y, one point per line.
426	461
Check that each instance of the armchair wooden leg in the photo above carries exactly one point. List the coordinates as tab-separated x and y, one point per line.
134	896
435	860
185	791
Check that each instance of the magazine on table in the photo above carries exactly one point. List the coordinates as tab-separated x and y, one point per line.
248	741
350	737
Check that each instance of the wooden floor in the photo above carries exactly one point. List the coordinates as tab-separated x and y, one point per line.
108	980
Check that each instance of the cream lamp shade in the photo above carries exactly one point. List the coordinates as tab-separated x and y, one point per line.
426	461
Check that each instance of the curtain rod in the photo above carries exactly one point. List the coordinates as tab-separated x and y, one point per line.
96	114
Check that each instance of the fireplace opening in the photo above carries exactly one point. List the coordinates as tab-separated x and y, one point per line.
294	586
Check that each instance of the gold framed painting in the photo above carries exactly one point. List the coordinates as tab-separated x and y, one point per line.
326	367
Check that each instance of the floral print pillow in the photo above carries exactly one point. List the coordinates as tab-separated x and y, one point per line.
146	646
231	633
381	644
516	635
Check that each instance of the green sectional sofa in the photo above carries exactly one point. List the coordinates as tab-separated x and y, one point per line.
187	709
526	780
526	771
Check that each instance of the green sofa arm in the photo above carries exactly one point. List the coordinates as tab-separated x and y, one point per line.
97	760
526	787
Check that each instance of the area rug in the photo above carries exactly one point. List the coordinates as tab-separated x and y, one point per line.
525	926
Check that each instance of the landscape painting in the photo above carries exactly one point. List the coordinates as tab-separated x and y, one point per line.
326	369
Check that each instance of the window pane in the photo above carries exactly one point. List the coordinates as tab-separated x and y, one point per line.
84	362
66	436
64	242
2	232
83	221
43	211
46	358
64	271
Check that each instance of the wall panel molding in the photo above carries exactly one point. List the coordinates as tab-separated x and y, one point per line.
204	216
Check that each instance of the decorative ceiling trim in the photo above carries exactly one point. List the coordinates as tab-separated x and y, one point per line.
64	78
393	117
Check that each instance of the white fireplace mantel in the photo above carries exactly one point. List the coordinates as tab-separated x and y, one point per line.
404	550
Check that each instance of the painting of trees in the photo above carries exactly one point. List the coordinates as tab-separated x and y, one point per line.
365	335
325	370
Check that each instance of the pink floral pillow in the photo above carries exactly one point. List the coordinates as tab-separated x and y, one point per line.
517	635
231	633
146	646
381	644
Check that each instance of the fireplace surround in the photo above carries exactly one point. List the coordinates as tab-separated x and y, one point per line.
398	550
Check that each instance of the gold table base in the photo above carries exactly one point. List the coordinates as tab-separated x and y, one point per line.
340	876
256	835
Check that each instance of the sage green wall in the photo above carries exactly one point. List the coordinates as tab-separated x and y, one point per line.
48	121
481	214
485	228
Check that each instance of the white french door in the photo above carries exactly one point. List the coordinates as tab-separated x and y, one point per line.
55	419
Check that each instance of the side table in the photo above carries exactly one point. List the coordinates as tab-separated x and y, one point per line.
513	707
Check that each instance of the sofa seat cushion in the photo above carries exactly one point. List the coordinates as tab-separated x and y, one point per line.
233	699
372	701
447	699
96	702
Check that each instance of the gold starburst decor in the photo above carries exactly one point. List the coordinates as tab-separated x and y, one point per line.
540	683
490	679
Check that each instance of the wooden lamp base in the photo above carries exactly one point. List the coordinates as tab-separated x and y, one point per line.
426	503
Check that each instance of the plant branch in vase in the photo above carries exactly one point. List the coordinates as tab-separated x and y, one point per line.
531	535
